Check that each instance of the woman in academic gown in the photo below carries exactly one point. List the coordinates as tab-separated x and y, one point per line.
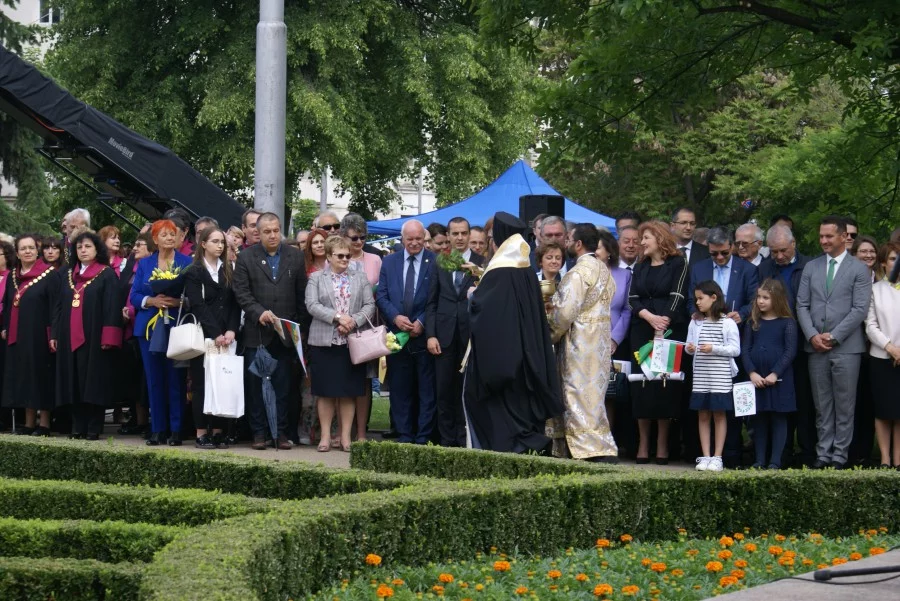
207	286
88	328
29	302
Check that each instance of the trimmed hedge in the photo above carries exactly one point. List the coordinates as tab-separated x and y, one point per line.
22	457
59	500
298	550
463	464
26	579
104	541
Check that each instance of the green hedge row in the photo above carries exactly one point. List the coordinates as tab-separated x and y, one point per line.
109	541
27	579
462	464
60	500
52	459
298	550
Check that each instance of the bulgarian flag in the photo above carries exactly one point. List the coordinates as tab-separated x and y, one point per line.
660	356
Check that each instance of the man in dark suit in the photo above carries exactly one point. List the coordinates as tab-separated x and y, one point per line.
447	329
786	264
684	222
402	296
739	280
270	284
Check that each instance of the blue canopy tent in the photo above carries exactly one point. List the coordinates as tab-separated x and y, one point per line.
500	195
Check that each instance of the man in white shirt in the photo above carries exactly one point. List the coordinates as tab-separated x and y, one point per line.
748	240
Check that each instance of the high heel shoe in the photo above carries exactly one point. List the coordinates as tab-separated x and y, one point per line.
155	439
642	460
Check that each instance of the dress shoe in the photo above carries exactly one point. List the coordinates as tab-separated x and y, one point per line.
259	444
609	460
283	444
220	441
76	436
204	442
131	428
155	439
23	431
840	465
642	460
232	439
390	435
819	464
662	461
41	431
175	440
93	437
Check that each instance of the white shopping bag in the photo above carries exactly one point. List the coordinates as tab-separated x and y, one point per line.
224	394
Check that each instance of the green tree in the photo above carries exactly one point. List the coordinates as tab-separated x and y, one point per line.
636	80
376	89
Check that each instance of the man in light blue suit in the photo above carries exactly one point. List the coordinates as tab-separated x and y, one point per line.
835	292
402	295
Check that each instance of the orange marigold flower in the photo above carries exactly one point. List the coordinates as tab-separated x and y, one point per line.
463	585
749	548
501	566
626	538
713	566
871	532
785	561
789	553
581	577
738	536
682	531
446	578
658	567
384	592
692	552
780	538
876	551
726	541
838	561
775	550
822	566
438	590
553	587
726	581
646	562
373	560
807	562
479	587
677	572
522	590
554	574
855	556
630	589
740	563
883	529
397	582
603	589
739	574
602	543
724	554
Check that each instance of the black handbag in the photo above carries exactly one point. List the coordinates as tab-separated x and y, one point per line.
617	389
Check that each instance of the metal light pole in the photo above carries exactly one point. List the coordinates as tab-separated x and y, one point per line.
271	97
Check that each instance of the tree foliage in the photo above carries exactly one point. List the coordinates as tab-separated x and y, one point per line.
376	89
661	100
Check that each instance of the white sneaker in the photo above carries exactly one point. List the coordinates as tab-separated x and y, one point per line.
715	465
703	463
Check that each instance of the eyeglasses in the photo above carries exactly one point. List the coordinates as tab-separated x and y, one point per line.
743	244
331	227
719	253
356	238
686	223
341	256
853	235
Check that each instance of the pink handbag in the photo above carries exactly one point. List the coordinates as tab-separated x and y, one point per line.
367	345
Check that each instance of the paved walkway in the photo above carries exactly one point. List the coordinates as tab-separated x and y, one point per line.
805	588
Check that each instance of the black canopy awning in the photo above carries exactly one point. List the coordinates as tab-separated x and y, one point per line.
120	165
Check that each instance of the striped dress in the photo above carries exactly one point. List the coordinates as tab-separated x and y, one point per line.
712	371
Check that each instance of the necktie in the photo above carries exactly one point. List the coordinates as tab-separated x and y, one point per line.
684	252
720	278
409	289
829	279
457	279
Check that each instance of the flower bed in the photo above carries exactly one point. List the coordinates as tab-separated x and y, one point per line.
685	569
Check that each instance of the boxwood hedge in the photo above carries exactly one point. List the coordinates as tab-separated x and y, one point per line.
104	541
26	579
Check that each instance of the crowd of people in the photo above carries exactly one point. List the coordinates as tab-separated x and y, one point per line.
512	348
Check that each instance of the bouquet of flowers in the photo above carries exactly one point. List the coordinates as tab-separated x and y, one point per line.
169	282
397	341
451	262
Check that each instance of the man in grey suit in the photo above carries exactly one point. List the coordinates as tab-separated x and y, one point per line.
833	301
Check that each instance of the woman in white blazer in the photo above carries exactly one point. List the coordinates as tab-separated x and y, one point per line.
883	330
339	301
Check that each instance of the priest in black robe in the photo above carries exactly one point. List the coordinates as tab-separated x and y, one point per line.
511	381
88	330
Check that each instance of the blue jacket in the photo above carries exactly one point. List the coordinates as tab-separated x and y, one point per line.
742	285
389	298
140	289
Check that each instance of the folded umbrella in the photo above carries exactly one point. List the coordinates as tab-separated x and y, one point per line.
263	366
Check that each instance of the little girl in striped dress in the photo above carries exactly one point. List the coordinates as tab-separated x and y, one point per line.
713	341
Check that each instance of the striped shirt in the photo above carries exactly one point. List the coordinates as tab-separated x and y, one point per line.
712	371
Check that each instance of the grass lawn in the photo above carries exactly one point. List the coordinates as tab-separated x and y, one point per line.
380	418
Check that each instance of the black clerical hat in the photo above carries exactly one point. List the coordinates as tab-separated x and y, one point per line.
506	225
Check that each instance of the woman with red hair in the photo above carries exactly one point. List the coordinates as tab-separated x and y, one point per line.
164	382
110	236
658	290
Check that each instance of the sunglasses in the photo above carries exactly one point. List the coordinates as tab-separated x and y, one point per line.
332	227
341	256
853	235
719	253
356	238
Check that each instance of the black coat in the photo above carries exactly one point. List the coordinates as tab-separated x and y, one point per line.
256	291
29	371
699	252
83	376
447	311
212	303
661	290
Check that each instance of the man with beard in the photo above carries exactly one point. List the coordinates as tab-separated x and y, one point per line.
580	326
511	384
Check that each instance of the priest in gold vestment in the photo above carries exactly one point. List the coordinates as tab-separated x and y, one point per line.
579	318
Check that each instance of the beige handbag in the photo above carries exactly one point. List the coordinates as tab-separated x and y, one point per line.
368	344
